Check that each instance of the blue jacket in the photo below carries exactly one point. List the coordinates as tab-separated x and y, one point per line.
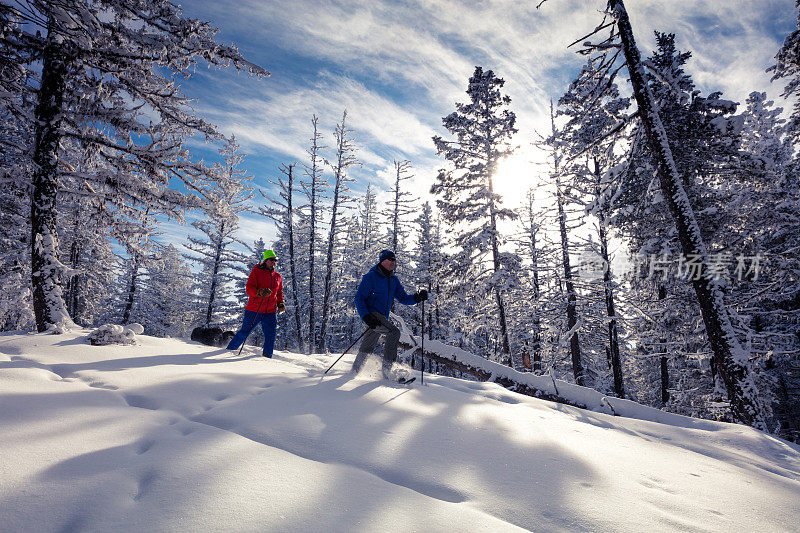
376	292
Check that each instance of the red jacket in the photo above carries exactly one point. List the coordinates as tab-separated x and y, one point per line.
261	278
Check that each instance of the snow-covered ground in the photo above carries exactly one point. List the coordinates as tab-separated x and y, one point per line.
167	435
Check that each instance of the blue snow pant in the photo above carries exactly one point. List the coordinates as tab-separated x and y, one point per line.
269	323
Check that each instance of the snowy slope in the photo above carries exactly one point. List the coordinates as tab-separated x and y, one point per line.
169	435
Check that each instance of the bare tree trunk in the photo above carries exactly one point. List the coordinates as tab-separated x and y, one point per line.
342	157
126	314
536	341
569	286
396	213
572	299
73	285
290	223
213	290
613	337
731	359
328	271
662	295
312	238
46	270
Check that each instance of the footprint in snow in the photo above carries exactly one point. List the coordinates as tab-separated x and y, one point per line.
144	446
100	385
145	482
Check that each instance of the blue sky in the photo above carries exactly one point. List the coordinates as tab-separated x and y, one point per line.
399	67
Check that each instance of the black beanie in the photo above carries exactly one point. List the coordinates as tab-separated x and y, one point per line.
386	254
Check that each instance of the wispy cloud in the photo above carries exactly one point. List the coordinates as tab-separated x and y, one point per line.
399	67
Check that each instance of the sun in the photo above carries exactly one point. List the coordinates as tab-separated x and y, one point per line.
516	174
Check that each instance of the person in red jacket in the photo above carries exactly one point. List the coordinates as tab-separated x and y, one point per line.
265	289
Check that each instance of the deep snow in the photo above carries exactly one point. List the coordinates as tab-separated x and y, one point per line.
170	435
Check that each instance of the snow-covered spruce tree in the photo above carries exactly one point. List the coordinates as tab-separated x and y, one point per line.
720	179
343	159
314	188
596	114
555	145
536	306
530	242
730	358
788	67
282	211
363	252
368	225
141	250
350	263
767	201
90	262
105	75
430	260
227	198
165	301
483	128
16	133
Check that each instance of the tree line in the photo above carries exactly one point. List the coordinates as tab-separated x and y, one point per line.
654	258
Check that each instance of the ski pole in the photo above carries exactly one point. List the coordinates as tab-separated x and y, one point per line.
422	348
348	349
255	319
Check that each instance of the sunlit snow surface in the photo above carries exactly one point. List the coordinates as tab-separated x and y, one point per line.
168	435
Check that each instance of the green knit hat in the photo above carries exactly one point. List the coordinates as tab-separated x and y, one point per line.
269	254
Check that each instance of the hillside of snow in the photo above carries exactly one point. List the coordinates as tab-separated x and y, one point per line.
172	435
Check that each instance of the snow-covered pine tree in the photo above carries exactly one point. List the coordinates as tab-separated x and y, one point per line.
483	128
282	211
730	357
314	188
227	198
343	159
98	65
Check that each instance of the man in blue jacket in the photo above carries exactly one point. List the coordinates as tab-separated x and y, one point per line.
374	297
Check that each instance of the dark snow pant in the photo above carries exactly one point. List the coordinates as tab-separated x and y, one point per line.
269	323
392	333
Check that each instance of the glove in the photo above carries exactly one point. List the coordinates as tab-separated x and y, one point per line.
263	292
421	296
371	320
281	307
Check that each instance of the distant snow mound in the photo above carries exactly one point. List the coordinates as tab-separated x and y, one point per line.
114	334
